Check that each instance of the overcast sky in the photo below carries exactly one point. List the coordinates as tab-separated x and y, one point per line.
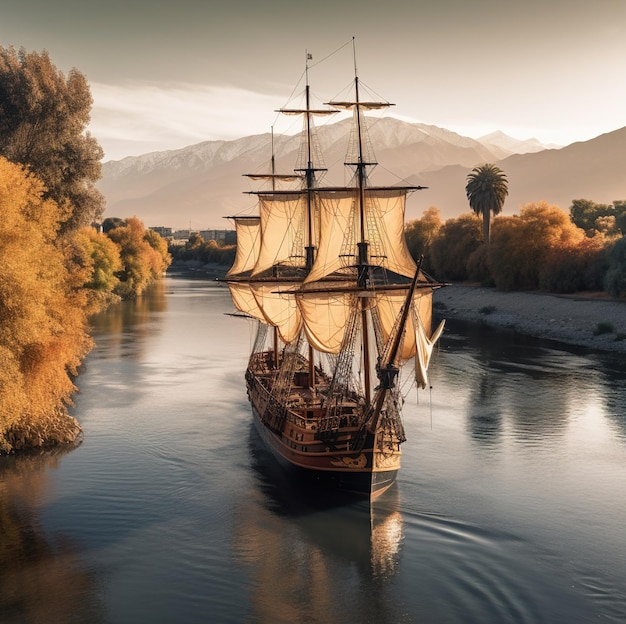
167	74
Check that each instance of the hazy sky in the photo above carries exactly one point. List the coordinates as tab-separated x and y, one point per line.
168	74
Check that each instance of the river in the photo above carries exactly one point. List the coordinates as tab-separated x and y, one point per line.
509	507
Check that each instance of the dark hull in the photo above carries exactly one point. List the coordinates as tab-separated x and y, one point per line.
363	472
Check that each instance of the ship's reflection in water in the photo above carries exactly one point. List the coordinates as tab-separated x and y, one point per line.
509	505
311	553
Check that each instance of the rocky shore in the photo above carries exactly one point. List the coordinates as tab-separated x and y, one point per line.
589	320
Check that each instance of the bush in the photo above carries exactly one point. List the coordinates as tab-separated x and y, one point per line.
615	278
457	240
603	328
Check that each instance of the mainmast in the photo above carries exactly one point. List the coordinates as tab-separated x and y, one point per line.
362	245
363	259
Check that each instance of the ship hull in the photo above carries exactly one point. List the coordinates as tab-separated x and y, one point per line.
365	472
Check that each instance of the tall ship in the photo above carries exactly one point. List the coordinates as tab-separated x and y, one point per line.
341	307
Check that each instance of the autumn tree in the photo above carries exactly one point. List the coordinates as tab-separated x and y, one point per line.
211	251
457	240
523	247
43	120
421	233
141	262
43	333
486	190
95	262
159	244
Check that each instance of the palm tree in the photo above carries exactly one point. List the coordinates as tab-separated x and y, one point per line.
486	190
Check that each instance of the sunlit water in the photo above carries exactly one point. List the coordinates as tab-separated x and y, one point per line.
510	505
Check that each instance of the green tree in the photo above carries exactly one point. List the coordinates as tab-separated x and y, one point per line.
585	212
43	120
486	190
620	216
615	278
110	223
608	219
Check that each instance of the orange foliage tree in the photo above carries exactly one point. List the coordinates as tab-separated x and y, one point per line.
44	116
421	233
94	260
43	332
457	240
525	248
143	257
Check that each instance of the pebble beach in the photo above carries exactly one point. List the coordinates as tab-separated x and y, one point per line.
571	319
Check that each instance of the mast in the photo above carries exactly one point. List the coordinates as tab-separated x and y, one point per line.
310	179
363	255
309	171
363	263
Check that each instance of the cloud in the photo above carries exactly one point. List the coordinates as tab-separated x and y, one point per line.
137	118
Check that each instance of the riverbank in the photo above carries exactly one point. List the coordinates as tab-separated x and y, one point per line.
572	319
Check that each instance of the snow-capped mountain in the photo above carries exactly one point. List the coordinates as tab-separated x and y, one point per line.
198	185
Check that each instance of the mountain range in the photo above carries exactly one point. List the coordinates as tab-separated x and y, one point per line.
194	187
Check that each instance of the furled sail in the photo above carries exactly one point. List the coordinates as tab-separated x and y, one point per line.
424	351
248	244
340	229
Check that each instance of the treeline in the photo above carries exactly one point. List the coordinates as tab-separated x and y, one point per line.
55	269
50	283
207	252
542	248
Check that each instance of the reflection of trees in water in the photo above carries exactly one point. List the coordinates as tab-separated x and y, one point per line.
518	380
314	558
484	413
125	323
41	578
613	371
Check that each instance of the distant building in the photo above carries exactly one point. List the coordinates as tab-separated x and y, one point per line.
162	231
226	237
223	237
181	234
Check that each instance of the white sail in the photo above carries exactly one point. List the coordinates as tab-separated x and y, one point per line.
248	244
340	230
325	315
283	223
424	351
244	300
277	301
389	306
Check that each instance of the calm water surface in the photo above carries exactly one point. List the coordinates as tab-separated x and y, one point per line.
510	505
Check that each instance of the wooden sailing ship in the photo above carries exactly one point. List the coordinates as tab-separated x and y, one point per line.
341	306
